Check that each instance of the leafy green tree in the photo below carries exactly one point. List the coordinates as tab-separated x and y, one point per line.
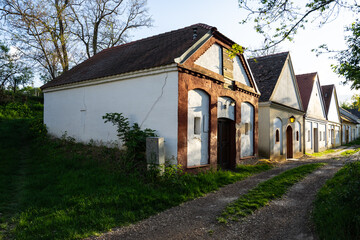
279	20
353	104
13	72
57	34
349	59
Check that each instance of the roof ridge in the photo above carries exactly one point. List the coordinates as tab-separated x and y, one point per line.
303	74
328	85
203	25
271	55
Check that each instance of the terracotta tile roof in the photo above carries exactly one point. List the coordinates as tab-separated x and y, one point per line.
327	92
266	71
155	51
306	84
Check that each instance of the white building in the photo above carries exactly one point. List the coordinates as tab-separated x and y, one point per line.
315	135
183	84
333	116
280	108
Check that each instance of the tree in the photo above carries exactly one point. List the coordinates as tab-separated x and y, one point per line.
354	103
13	72
349	59
279	20
57	34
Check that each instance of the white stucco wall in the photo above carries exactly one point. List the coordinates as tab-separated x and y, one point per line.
308	136
239	72
316	107
297	141
226	108
278	146
322	139
285	89
247	138
333	114
310	125
150	100
198	133
212	59
337	135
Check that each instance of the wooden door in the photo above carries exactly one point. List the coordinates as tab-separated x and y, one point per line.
289	142
225	143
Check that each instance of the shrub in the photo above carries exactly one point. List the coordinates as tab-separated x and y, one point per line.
38	128
15	110
134	137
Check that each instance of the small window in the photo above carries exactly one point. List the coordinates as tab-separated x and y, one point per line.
277	136
308	135
297	135
247	128
320	135
197	129
324	136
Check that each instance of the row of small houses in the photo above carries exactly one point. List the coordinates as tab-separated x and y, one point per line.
211	109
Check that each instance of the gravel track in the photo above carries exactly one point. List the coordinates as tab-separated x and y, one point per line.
286	218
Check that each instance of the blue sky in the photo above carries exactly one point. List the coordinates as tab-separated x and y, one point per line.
225	16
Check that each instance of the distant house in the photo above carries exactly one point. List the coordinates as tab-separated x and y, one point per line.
183	84
315	114
280	108
356	113
350	125
333	115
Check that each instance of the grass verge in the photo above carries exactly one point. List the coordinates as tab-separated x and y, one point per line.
57	189
320	154
349	152
354	142
336	211
265	192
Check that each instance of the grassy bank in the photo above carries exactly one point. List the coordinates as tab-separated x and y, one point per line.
337	208
266	191
57	189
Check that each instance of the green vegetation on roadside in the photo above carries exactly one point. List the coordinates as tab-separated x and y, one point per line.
262	194
354	142
59	189
20	105
349	152
337	207
320	154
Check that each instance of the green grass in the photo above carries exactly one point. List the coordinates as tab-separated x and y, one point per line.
266	191
337	207
349	152
355	142
320	154
57	189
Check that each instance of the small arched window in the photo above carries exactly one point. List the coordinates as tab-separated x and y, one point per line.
297	135
277	136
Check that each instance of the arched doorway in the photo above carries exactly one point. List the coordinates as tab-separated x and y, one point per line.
289	142
198	128
247	137
226	132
